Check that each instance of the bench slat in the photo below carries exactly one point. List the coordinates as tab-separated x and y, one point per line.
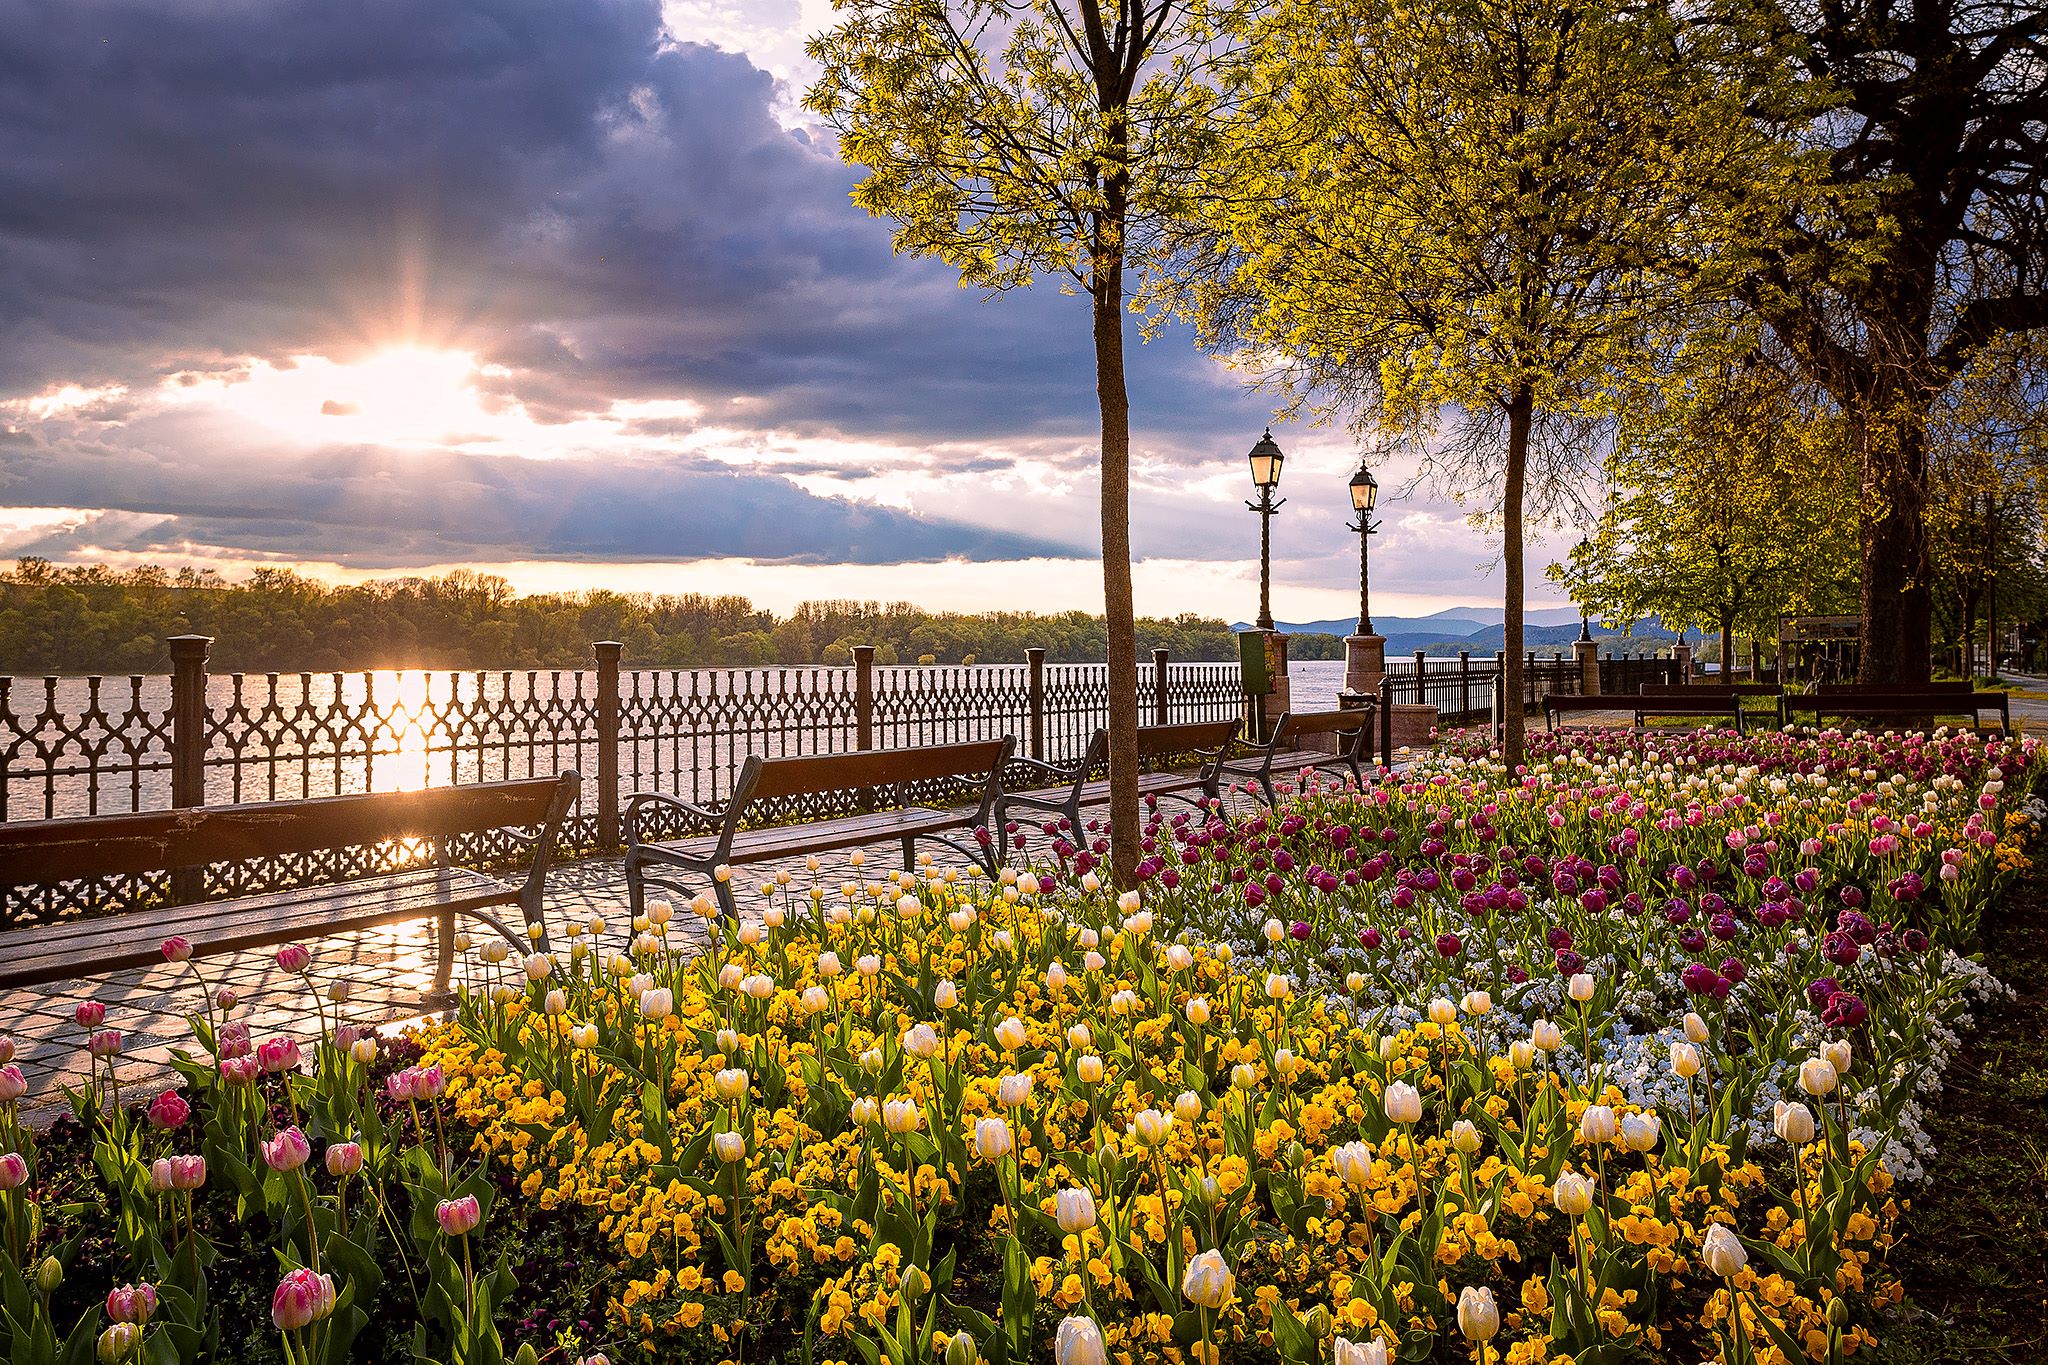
780	841
38	956
38	852
813	773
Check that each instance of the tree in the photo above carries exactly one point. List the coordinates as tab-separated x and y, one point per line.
1987	476
1934	242
1018	138
1728	508
1471	219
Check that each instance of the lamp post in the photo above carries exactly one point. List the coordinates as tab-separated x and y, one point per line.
1585	554
1266	460
1365	493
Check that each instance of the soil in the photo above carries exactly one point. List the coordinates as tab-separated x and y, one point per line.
1975	1255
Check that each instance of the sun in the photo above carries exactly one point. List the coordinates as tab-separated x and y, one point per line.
404	395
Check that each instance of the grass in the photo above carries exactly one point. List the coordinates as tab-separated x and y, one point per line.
1975	1258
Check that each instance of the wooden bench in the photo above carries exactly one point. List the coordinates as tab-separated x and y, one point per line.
1353	730
1076	786
1728	706
1925	704
1711	689
652	860
52	852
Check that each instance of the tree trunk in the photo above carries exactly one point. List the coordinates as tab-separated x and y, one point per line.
1117	611
1898	600
1727	623
1519	409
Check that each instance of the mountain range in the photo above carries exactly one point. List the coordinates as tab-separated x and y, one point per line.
1481	630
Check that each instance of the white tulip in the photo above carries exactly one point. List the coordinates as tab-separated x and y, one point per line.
1403	1102
1639	1132
992	1139
1598	1124
1793	1123
1573	1194
1353	1163
1817	1077
1722	1251
900	1116
921	1041
1078	1342
1074	1209
1478	1315
1208	1281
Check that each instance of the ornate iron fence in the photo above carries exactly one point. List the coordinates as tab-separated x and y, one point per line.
87	746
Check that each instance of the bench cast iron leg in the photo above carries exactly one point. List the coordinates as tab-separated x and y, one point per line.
444	957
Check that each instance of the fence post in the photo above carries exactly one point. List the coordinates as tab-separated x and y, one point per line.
188	745
607	652
863	696
1034	687
1529	675
1464	683
1159	707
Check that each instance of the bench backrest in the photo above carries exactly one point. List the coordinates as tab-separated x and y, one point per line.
41	851
1297	723
1206	736
812	774
1883	689
1955	701
1711	689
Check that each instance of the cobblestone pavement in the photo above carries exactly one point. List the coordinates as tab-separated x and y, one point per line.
383	971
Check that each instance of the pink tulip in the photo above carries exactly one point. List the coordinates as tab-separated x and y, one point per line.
6	1049
13	1171
160	1175
233	1039
429	1082
240	1070
457	1216
177	948
278	1054
188	1173
134	1303
13	1085
90	1014
105	1043
169	1110
401	1087
227	997
294	957
288	1151
344	1158
303	1298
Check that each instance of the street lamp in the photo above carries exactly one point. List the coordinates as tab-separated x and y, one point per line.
1266	460
1365	492
1584	555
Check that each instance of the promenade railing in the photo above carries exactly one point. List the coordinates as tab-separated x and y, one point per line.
94	745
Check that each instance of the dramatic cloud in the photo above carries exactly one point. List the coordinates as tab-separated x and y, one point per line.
673	336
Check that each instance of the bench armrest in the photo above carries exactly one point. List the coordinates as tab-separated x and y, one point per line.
714	814
1076	771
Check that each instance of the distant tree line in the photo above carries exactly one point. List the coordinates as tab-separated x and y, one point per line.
96	619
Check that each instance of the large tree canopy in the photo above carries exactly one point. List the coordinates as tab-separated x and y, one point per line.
1486	210
1933	243
1013	138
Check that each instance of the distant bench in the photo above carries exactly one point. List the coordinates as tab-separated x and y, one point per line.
51	852
1075	785
1926	704
1721	705
654	860
1266	762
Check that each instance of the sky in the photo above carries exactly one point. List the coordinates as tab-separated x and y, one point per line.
572	291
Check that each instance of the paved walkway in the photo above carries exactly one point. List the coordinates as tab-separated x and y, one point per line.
385	970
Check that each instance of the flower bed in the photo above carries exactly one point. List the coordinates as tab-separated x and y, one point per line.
1616	1059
